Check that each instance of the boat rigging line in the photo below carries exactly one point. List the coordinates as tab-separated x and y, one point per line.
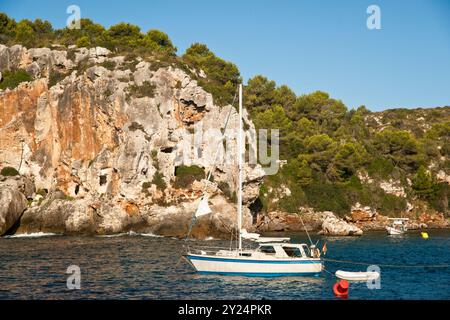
307	233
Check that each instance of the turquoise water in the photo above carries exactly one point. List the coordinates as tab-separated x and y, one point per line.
145	267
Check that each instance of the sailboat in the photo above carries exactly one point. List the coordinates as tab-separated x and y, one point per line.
272	256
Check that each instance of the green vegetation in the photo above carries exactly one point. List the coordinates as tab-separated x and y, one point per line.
145	90
225	188
158	180
222	76
9	171
186	175
12	79
327	146
122	37
108	64
55	77
422	182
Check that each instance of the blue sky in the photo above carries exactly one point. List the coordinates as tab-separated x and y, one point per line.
308	45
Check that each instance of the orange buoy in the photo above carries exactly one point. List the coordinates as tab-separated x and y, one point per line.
340	289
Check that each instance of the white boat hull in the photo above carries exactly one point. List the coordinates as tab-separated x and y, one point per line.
357	276
255	267
393	231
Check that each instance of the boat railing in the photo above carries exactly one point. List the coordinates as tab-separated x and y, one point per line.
208	250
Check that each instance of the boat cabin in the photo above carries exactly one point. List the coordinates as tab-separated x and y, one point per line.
399	223
284	250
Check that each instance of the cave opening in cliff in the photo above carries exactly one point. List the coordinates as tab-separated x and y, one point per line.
255	209
103	180
77	189
167	150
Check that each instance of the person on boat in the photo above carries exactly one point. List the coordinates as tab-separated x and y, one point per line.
315	252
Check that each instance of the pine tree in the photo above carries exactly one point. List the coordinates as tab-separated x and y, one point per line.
423	182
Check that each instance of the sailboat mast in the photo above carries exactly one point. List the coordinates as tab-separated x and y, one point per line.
240	158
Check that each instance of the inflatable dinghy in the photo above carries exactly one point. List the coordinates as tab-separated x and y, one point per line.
357	276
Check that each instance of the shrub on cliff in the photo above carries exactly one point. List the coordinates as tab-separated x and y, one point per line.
147	89
11	79
108	64
186	175
9	172
158	180
226	189
422	182
55	77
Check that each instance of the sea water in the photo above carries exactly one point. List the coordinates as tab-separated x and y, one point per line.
134	266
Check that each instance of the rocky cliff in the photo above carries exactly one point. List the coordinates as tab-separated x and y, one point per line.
108	143
101	137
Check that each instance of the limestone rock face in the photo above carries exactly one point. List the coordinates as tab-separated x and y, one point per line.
430	220
12	205
360	213
334	226
25	185
324	222
105	133
174	220
282	221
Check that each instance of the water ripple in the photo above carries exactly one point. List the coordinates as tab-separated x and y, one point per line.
133	266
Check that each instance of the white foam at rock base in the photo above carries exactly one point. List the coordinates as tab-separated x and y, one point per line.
32	235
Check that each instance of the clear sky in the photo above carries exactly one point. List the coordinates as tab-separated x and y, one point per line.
308	45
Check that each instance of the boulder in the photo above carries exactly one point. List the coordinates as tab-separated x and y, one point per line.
283	221
50	217
96	72
23	184
57	214
142	73
12	205
98	52
360	214
334	226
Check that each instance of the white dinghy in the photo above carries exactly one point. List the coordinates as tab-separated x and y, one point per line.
357	276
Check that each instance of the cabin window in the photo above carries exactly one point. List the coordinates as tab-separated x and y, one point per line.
293	252
245	254
306	250
267	249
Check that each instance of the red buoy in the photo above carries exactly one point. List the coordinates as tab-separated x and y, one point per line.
340	289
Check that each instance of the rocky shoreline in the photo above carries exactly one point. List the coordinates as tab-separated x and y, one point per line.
360	220
57	214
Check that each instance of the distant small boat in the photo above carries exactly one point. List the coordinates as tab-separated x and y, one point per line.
398	226
357	276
